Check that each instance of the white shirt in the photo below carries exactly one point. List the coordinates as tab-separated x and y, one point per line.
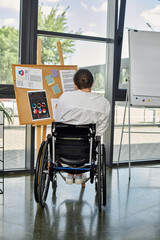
79	107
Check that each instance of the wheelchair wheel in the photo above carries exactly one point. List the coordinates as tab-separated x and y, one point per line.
44	178
100	184
104	187
39	156
99	177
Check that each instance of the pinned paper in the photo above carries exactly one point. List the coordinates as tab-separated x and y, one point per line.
56	89
49	79
55	73
38	105
29	78
67	80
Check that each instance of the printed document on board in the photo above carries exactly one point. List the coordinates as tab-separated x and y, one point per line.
29	78
67	80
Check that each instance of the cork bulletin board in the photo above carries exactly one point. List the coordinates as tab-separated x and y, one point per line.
36	88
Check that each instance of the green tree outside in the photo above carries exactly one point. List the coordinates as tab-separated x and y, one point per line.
9	43
9	37
56	23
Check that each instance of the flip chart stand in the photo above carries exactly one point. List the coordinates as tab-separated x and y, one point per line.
127	102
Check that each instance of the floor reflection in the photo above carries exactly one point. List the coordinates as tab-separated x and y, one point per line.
132	211
70	218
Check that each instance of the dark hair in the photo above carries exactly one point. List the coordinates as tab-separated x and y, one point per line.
83	78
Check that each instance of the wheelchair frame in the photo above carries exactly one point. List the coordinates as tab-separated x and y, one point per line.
47	165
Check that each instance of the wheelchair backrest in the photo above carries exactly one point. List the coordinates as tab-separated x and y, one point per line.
73	142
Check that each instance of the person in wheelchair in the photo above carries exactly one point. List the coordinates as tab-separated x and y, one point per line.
83	107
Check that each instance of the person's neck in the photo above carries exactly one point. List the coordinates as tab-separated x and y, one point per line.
86	89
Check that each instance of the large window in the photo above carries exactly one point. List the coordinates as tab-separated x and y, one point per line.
145	134
84	54
140	15
14	135
78	17
9	35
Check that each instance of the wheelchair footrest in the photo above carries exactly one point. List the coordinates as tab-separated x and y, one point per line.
68	168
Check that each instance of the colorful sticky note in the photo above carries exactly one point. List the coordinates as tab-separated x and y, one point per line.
49	79
56	89
55	73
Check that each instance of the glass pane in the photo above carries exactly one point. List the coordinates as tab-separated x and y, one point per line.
124	73
140	15
9	37
90	55
145	133
14	154
14	136
1	151
73	16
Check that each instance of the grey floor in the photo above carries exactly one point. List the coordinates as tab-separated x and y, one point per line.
132	211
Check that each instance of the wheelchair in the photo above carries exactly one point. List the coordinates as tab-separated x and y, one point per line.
70	149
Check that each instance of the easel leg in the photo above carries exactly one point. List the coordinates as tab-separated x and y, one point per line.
120	146
44	132
129	130
38	137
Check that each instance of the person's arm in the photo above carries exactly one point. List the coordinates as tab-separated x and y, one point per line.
103	124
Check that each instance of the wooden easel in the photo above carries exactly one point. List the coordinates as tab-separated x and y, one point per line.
42	136
51	86
39	137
